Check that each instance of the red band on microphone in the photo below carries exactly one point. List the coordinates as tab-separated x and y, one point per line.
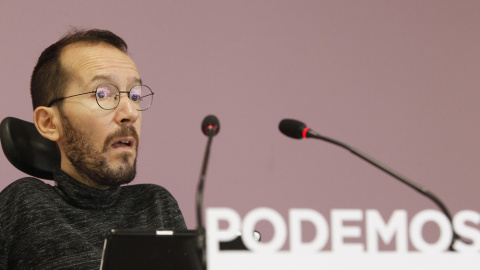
212	127
305	130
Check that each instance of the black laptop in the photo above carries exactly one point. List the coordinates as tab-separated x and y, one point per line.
150	249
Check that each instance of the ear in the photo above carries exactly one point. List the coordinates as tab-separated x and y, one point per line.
47	121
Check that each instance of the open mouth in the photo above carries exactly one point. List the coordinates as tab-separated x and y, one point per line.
123	143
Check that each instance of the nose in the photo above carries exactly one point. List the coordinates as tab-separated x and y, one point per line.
126	111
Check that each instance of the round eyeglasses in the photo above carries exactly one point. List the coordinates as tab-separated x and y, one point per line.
108	96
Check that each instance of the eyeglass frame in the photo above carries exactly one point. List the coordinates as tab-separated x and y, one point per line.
119	96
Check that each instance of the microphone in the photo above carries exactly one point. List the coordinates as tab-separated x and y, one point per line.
210	127
298	130
294	129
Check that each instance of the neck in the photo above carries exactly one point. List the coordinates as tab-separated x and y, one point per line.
68	168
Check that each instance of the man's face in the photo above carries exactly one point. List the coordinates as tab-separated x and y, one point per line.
99	147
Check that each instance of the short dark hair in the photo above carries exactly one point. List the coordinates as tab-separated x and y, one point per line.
49	78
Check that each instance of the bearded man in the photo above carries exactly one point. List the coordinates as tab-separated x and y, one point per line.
88	97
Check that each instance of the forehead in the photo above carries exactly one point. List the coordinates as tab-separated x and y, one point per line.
87	63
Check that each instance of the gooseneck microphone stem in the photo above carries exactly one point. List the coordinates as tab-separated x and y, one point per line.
201	183
298	130
210	127
395	174
384	168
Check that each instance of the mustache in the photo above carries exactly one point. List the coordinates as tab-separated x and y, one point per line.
123	131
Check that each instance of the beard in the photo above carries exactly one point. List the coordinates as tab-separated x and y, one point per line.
91	163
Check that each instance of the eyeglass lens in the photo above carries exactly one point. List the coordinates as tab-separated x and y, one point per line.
108	96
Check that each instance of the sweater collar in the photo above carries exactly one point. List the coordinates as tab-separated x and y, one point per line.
81	195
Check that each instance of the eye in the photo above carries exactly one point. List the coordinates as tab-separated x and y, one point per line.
103	92
135	94
135	97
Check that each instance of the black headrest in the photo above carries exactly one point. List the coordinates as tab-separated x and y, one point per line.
27	150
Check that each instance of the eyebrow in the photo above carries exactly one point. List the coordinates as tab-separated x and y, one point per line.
114	78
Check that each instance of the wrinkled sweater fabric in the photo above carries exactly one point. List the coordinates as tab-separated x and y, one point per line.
64	226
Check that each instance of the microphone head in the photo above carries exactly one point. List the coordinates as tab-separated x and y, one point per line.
292	128
210	125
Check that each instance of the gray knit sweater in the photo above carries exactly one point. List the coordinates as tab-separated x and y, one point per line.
64	226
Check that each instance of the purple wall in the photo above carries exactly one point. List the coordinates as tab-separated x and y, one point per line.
396	79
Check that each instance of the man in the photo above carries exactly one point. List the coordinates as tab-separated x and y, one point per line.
88	97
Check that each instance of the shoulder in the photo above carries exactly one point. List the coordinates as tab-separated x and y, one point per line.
160	201
154	203
24	199
27	186
146	188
